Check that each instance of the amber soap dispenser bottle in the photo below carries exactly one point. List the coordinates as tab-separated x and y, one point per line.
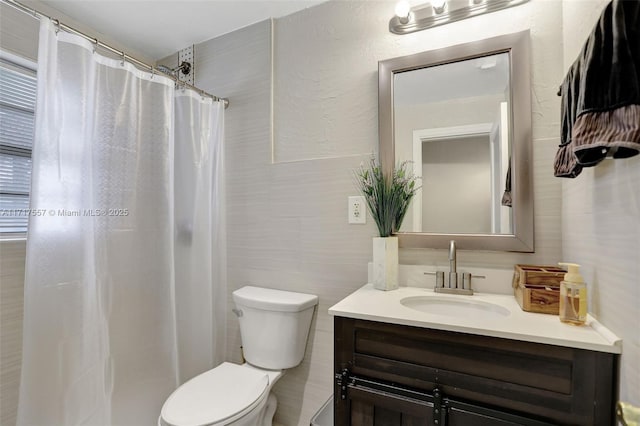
573	296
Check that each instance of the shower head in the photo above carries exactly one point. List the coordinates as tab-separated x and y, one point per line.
184	67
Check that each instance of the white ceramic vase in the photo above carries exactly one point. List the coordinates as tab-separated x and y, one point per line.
385	263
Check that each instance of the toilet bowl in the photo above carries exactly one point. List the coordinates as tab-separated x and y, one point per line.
274	326
230	394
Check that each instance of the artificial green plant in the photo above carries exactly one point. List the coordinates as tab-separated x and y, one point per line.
388	196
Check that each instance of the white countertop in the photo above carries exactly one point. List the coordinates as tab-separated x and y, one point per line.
370	304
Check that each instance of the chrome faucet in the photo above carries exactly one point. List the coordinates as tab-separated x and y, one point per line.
455	285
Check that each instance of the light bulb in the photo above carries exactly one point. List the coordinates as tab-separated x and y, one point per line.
403	9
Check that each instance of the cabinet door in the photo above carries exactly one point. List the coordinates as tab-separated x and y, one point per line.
370	406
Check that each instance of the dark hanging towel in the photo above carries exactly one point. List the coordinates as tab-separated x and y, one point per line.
566	163
601	93
507	199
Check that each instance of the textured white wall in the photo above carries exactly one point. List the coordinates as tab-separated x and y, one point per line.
18	33
12	256
601	225
288	220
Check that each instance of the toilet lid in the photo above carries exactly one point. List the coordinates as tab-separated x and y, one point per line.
214	396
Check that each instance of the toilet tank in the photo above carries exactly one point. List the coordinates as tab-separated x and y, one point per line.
274	325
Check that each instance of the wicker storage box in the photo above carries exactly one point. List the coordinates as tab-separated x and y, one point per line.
537	288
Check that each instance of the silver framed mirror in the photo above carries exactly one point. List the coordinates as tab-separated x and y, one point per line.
461	115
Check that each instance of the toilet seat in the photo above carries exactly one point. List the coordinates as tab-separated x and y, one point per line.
218	396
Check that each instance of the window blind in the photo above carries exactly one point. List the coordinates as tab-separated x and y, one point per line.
17	119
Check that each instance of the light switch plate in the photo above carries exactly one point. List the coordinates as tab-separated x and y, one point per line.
357	210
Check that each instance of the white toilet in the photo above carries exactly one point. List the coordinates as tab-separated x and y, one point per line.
274	326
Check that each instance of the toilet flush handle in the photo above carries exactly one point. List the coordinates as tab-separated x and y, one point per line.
238	312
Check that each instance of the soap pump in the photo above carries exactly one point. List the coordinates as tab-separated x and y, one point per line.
573	296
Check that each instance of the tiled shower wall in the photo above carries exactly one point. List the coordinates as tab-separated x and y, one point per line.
601	224
287	220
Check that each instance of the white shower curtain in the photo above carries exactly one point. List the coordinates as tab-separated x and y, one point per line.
200	233
100	343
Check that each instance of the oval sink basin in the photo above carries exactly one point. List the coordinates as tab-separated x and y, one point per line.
455	307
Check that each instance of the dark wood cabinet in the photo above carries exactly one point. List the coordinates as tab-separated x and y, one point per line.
390	375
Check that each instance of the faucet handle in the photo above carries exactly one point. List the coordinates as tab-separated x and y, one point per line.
466	279
439	277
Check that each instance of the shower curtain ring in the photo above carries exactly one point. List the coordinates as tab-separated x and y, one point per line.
57	24
95	45
124	58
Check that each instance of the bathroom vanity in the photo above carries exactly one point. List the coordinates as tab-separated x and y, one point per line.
412	357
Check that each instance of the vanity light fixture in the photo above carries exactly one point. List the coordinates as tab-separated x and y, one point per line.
410	19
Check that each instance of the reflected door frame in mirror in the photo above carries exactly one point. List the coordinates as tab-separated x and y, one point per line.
517	45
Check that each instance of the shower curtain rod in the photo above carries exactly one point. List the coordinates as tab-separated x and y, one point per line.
39	15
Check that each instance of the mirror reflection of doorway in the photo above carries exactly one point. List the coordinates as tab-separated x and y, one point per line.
469	165
445	107
462	198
